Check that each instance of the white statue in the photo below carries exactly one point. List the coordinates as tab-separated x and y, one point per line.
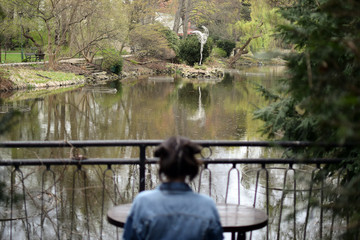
202	36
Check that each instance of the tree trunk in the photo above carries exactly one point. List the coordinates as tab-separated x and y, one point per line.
37	45
50	50
178	16
186	17
240	51
51	64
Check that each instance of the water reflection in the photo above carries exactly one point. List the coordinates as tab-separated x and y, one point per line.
133	109
139	109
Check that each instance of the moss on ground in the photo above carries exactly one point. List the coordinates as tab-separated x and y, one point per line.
25	78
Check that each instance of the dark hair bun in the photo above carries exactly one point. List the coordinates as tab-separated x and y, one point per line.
177	158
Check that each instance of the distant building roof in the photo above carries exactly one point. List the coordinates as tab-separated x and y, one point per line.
168	21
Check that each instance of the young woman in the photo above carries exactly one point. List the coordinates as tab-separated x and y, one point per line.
173	210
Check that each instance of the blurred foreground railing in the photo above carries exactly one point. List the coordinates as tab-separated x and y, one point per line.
67	197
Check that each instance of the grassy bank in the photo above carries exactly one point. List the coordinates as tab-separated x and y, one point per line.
15	57
35	93
11	58
27	78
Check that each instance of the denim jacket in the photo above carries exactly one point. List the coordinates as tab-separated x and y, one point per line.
173	211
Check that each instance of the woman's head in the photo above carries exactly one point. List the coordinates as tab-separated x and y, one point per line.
177	158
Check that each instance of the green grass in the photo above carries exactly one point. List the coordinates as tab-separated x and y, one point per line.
134	62
11	57
14	57
54	76
30	78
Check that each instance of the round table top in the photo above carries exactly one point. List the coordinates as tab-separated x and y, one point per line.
233	218
239	218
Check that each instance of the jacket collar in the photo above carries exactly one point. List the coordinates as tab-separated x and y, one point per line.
175	186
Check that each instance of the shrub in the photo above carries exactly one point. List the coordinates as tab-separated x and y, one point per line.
189	50
112	61
149	40
219	52
172	38
226	45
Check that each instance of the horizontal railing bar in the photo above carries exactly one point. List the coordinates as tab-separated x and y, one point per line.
204	143
88	143
40	162
119	161
225	143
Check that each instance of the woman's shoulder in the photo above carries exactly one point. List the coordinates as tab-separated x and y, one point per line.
204	197
148	194
148	197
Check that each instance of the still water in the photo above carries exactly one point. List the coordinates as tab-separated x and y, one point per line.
147	108
143	108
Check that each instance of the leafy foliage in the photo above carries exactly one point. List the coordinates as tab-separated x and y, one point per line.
150	40
218	14
190	50
320	99
112	61
226	45
218	52
261	25
172	38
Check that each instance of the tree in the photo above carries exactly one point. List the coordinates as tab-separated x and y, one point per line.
8	30
138	12
182	16
217	15
57	17
2	16
324	74
105	24
150	40
320	99
256	34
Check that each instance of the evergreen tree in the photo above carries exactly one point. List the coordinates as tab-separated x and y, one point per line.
320	100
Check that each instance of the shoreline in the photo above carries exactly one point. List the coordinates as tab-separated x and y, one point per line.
34	75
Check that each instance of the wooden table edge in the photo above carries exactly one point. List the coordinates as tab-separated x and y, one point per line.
225	229
246	228
115	223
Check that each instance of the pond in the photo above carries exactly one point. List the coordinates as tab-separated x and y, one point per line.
153	107
147	108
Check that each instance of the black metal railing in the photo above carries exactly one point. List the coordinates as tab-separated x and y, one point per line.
53	209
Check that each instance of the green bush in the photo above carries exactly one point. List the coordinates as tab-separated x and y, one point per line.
153	40
226	45
113	61
172	39
219	52
189	50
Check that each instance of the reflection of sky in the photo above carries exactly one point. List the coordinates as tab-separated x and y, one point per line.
220	171
220	174
155	110
148	110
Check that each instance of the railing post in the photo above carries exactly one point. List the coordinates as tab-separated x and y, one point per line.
142	167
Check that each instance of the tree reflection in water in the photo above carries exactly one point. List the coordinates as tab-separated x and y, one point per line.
131	109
